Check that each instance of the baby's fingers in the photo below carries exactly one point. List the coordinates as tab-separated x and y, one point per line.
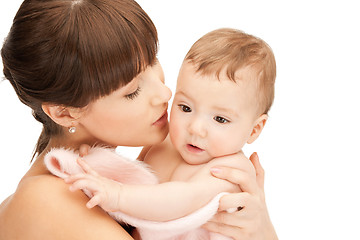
84	184
84	150
95	200
73	178
86	167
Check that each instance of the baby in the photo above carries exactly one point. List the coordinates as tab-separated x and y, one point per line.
224	91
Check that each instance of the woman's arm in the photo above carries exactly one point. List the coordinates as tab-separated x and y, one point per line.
252	222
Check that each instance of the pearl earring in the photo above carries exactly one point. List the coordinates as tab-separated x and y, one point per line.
72	129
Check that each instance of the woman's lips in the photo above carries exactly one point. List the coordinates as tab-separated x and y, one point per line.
193	149
162	120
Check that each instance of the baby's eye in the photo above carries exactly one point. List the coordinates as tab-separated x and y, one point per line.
133	95
184	108
221	119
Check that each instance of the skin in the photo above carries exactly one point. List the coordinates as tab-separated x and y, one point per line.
208	111
40	196
200	128
253	221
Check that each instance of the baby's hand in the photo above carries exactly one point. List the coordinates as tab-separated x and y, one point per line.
105	192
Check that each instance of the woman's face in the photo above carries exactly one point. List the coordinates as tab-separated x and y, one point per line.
134	115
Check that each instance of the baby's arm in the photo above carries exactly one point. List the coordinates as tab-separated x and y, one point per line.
160	202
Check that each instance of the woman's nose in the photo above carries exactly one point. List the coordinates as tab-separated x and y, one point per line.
197	127
162	95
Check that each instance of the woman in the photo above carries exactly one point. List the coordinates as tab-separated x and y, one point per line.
88	70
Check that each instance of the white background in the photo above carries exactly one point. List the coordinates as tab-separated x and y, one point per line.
309	147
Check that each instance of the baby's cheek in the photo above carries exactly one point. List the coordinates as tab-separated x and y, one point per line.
218	148
225	146
175	134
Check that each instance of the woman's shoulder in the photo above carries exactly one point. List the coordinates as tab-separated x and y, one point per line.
42	206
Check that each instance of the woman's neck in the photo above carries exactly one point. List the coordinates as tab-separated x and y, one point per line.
38	167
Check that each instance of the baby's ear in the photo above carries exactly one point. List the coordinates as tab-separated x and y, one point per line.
259	125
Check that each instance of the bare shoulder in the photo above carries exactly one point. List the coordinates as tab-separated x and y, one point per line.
163	159
42	206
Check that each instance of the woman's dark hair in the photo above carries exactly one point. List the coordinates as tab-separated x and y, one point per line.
71	52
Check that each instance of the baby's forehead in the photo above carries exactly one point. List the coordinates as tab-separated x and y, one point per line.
219	85
244	77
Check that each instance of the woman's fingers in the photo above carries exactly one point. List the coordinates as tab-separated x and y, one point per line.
245	223
227	230
260	173
250	178
244	179
234	219
250	220
233	201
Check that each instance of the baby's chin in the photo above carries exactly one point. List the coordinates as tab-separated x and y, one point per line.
195	160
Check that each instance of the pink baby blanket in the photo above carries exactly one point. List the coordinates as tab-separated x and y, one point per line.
108	163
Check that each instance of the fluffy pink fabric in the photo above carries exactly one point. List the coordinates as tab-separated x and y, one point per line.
108	163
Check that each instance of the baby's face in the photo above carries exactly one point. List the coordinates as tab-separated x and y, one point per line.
211	118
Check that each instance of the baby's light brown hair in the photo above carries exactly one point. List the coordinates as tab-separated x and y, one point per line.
230	50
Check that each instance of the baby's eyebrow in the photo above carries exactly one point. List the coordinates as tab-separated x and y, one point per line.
227	110
183	93
216	108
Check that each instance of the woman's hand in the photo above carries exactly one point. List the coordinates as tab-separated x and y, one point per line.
251	221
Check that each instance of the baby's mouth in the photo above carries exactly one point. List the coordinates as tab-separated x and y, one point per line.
194	149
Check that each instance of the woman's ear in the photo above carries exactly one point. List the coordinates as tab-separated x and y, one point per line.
64	116
258	127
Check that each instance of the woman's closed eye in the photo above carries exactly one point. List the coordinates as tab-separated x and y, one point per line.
133	95
184	108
